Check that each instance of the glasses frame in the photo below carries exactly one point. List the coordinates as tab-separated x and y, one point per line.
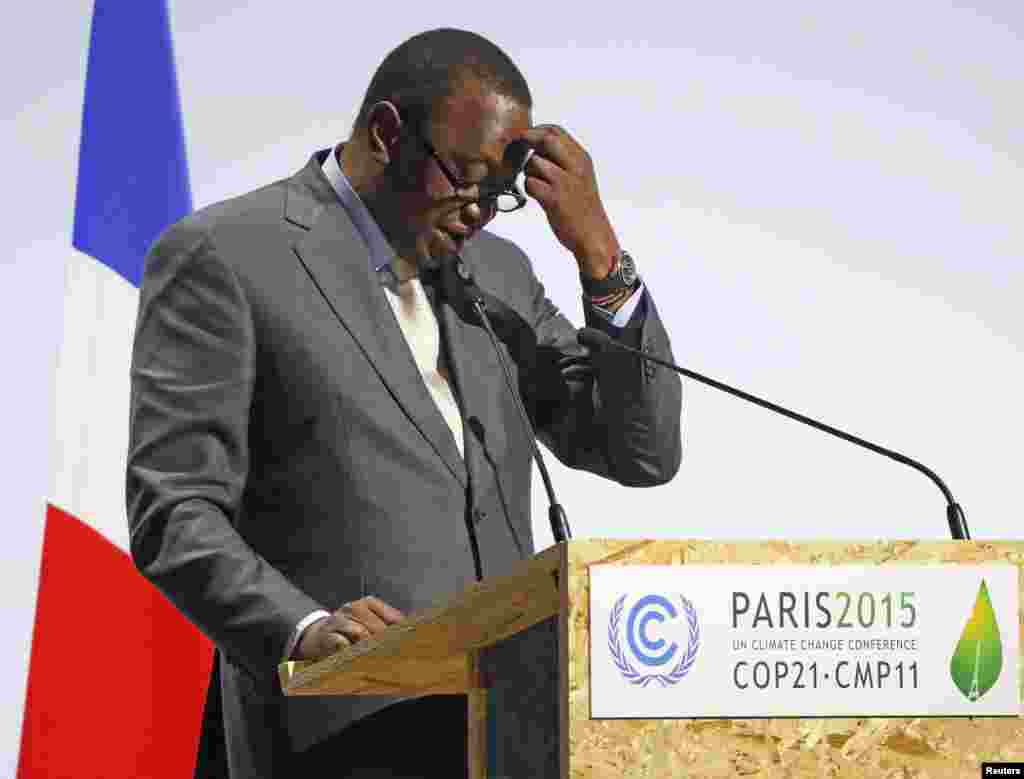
458	184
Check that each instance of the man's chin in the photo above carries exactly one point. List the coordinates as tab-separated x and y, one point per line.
436	256
433	262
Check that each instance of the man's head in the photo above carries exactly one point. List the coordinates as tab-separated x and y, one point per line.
445	104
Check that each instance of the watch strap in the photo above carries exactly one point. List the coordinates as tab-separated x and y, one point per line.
621	276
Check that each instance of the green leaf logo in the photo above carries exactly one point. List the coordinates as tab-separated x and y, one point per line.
978	658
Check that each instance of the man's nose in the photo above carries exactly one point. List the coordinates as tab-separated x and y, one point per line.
473	215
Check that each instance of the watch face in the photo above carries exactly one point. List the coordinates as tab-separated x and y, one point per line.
627	269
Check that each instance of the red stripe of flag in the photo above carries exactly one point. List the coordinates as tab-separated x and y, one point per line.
118	675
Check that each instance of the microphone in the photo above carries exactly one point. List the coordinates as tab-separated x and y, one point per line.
465	286
599	341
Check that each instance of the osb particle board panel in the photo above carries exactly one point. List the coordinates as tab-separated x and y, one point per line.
763	748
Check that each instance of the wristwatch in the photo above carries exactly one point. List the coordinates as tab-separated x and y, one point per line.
623	275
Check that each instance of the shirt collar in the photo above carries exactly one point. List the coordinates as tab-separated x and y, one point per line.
381	252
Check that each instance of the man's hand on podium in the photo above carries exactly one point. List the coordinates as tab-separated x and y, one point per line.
351	623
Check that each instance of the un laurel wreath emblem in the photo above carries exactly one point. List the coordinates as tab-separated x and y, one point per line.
647	609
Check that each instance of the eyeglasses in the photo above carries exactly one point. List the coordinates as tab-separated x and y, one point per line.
505	200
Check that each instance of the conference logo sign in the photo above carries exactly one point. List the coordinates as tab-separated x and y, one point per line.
672	661
978	658
737	640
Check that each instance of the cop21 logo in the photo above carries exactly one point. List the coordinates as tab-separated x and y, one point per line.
647	652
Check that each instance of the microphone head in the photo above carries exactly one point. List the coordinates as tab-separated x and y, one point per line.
463	270
593	338
457	282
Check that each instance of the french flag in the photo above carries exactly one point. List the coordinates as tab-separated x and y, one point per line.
117	676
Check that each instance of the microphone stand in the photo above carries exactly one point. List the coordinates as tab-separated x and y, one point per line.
556	514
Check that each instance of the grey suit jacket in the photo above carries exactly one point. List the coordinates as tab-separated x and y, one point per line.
286	456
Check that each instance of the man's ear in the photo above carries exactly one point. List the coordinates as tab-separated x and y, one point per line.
384	127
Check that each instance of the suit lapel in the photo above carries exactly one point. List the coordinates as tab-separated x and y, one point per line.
337	259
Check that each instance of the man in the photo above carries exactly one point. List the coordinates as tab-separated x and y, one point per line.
321	436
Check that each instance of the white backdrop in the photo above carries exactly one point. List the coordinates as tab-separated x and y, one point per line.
823	198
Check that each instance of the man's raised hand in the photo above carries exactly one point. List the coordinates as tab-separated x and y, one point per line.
560	176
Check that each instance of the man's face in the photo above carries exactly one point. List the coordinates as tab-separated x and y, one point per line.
470	132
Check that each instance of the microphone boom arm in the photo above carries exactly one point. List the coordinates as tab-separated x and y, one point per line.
472	293
954	513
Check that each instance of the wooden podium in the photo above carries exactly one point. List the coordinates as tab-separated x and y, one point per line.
518	647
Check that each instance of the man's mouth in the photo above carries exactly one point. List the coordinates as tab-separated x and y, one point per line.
454	240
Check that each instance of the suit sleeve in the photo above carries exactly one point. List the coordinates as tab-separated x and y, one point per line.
608	413
191	388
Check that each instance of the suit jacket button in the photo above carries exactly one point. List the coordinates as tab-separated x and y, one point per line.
479	515
649	367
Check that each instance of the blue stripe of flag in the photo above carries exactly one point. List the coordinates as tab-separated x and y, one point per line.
132	171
